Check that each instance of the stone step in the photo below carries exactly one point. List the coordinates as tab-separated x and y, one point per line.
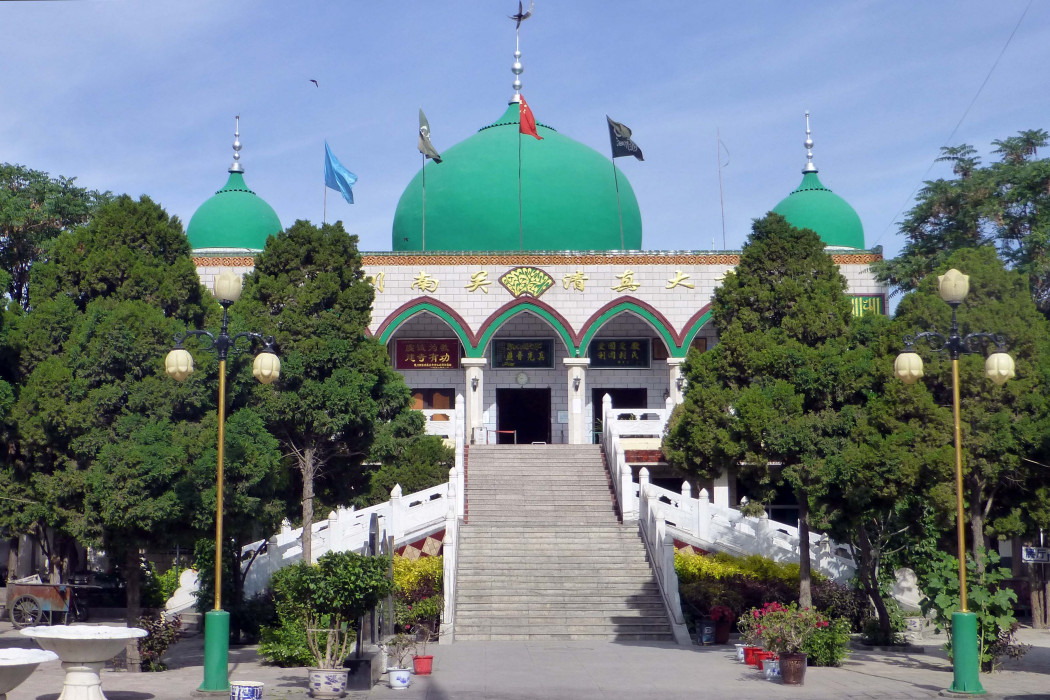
607	604
530	628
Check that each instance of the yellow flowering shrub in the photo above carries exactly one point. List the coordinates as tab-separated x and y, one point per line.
694	567
419	577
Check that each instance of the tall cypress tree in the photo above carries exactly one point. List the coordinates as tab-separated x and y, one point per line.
308	290
769	397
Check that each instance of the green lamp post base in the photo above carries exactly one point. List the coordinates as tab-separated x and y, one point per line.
966	662
216	652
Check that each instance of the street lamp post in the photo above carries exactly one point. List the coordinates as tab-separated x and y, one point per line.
179	365
999	367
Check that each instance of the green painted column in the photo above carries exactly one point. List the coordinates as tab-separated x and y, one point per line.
216	652
966	661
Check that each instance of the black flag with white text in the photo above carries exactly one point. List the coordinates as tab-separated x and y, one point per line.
620	138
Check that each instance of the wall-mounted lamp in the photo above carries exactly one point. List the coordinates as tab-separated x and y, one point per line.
667	394
473	383
679	381
575	383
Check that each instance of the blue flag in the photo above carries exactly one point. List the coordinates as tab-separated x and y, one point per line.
337	176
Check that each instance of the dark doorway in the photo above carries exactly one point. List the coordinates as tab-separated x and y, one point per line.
525	413
621	398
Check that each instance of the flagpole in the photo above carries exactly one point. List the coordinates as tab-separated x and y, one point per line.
616	180
721	196
521	230
424	201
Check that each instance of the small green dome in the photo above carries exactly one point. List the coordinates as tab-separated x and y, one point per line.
234	218
814	206
568	196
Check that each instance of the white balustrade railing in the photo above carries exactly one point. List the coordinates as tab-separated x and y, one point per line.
403	517
660	546
441	422
698	520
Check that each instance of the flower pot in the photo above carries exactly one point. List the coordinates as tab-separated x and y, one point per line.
722	628
772	669
740	653
422	665
793	668
761	657
327	682
749	655
246	690
705	632
399	678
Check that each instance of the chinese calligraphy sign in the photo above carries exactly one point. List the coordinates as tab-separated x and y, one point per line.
427	353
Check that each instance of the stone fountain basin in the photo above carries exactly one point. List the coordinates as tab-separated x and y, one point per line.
18	664
84	643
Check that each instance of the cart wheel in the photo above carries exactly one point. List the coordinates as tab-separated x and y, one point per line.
26	611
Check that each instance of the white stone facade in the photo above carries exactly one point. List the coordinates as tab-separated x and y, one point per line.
574	299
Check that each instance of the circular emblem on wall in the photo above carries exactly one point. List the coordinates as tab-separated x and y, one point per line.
523	379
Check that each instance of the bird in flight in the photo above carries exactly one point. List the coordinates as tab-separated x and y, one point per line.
314	82
522	16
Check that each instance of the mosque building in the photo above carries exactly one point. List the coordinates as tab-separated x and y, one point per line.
517	277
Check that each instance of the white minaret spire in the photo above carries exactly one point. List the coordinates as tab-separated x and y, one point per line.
236	167
808	143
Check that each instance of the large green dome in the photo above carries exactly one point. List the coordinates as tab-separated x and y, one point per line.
568	196
234	218
814	206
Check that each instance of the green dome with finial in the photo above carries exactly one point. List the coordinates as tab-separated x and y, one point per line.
565	197
814	206
235	218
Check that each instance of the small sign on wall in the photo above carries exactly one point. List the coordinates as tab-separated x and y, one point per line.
619	353
523	353
426	353
869	305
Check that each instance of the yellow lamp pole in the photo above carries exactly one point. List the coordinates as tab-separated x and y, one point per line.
999	367
179	365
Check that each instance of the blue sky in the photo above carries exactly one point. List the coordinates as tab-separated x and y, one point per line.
139	97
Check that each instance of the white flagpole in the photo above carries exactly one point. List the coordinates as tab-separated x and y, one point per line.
424	201
616	180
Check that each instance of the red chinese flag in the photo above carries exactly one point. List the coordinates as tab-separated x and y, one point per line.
526	119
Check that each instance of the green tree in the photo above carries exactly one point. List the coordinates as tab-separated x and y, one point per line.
876	496
34	209
1003	428
308	290
776	393
97	413
405	455
1005	204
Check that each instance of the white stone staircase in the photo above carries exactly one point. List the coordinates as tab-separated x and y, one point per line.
543	555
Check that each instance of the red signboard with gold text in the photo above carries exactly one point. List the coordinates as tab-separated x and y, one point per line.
426	353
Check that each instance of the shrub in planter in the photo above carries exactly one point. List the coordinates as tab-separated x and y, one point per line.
828	645
787	628
329	596
840	600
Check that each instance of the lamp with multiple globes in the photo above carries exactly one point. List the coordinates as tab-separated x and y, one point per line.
999	367
179	366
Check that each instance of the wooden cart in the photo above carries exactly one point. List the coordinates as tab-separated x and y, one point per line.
44	604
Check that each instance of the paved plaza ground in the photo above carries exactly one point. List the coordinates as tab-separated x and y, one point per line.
571	670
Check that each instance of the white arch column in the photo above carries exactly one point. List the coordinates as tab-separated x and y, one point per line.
474	392
577	386
676	386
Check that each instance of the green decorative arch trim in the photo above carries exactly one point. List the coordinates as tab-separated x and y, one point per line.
413	308
655	319
494	323
691	329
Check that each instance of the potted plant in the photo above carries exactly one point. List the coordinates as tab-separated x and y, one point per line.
750	637
723	617
397	649
423	664
784	630
327	598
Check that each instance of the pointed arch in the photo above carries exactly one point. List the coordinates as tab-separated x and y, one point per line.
690	329
508	311
420	305
646	312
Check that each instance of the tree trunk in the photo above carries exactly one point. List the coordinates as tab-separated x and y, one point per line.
12	557
977	534
867	572
1038	590
805	587
308	467
133	581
